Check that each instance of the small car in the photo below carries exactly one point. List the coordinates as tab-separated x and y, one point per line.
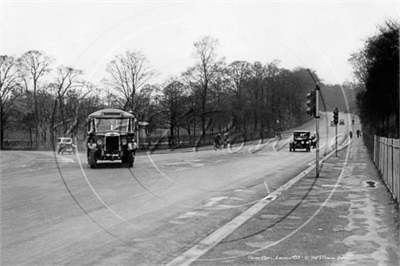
65	145
341	122
300	140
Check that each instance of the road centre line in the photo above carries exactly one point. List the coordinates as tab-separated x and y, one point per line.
214	201
336	185
245	191
59	159
214	238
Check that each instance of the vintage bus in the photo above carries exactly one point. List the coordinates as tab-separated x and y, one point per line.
111	136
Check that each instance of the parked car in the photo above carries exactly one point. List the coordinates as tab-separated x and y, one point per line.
341	122
300	140
111	136
65	145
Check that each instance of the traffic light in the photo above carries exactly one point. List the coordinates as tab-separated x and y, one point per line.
311	103
335	116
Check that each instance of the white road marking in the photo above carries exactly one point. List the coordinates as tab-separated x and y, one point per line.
221	206
243	190
236	199
192	214
265	183
214	201
176	222
59	159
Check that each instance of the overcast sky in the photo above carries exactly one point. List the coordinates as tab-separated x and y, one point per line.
87	35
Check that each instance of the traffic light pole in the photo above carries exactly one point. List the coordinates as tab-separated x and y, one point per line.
335	120
317	91
315	112
336	147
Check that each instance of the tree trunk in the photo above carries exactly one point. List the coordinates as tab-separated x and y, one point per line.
1	127
171	136
30	136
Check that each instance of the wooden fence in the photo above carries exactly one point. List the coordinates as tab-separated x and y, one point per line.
387	159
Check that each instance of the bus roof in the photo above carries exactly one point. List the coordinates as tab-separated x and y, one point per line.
301	131
111	113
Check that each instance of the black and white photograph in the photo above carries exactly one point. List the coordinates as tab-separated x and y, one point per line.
201	133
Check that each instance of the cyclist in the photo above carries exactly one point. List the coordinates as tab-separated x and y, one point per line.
217	141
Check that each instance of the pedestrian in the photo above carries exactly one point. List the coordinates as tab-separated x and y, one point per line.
351	134
358	132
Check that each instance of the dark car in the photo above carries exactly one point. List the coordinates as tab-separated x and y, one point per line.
300	140
111	136
65	145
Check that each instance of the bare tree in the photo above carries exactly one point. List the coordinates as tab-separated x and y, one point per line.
239	73
35	65
205	70
10	89
112	99
172	105
260	91
67	79
128	73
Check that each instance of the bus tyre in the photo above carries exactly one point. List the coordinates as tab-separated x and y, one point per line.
131	159
92	160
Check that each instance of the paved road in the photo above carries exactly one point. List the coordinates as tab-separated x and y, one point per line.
56	210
